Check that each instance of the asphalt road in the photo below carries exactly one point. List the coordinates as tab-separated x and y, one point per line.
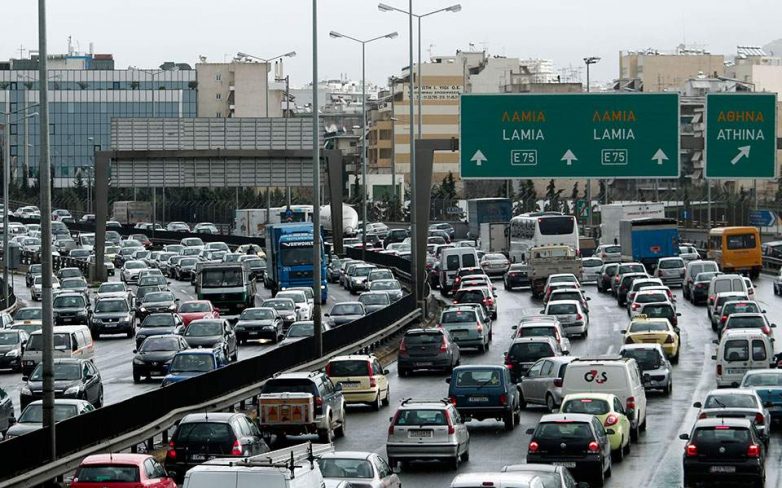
114	354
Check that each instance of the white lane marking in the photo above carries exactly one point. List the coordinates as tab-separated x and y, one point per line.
611	349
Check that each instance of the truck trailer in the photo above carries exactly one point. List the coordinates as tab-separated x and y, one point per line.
289	258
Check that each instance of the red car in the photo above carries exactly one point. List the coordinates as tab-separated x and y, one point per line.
121	470
197	309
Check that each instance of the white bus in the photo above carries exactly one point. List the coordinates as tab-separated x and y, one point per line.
539	229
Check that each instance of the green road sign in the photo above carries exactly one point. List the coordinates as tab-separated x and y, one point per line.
595	135
741	136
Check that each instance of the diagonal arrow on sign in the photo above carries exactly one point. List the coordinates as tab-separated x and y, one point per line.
743	153
478	157
569	157
659	156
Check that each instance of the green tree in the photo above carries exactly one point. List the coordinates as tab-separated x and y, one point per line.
574	192
448	187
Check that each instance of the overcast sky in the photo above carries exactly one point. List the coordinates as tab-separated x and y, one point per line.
145	33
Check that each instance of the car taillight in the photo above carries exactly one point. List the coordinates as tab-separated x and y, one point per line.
171	453
503	399
753	451
691	450
488	302
759	419
719	370
452	399
636	306
236	450
479	328
629	340
558	382
630	403
703	415
328	369
593	447
616	279
669	340
372	379
508	365
443	346
723	319
451	430
402	347
533	447
318	401
579	317
455	302
611	420
439	326
711	299
766	330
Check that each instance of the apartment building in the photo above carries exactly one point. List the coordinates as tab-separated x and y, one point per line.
656	71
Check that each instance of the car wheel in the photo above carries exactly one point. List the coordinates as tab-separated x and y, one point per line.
453	463
392	462
510	421
100	399
626	449
669	388
403	372
136	377
326	436
643	425
610	469
550	405
340	431
377	403
600	478
387	398
235	356
634	433
619	454
483	347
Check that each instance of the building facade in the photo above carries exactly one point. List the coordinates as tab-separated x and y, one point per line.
655	71
238	89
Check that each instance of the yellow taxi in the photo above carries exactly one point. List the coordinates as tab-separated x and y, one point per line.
362	377
609	409
646	330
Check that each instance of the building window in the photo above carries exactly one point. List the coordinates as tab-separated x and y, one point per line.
219	115
14	150
13	85
13	129
52	131
218	96
115	85
218	77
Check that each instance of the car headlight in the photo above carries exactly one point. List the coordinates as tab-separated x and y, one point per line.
143	309
25	391
12	354
172	307
137	361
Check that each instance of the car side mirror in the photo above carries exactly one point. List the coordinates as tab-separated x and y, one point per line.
543	310
386	372
773	326
623	331
678	314
714	358
448	380
610	431
715	341
530	431
647	377
338	387
588	299
25	378
135	351
327	315
684	437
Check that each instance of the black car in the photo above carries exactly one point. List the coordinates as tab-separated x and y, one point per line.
700	287
155	354
728	449
159	324
142	291
12	344
427	349
75	285
332	273
395	235
607	273
202	436
259	323
7	418
257	268
212	333
304	328
285	308
156	302
112	316
33	271
517	275
623	288
69	273
185	268
575	440
70	309
73	378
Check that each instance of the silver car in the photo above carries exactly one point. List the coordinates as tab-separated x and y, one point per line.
364	469
466	327
391	287
736	402
425	430
543	383
590	269
655	367
670	270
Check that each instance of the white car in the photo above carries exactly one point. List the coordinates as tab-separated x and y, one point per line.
303	307
646	296
688	253
750	288
778	283
37	289
131	270
590	269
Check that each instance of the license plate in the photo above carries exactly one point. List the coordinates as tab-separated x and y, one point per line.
565	465
420	434
427	363
736	371
29	363
109	326
723	469
198	457
479	399
650	341
350	385
254	333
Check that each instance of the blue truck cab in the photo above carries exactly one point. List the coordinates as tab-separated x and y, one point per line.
647	240
289	258
485	392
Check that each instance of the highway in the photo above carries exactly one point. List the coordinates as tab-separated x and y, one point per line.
114	354
655	461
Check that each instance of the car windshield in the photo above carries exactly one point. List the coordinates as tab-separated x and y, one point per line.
421	417
730	400
385	285
612	249
73	283
373	299
458	317
740	307
69	302
586	405
111	306
204	329
301	330
565	295
346	309
159	320
33	414
188	262
286	304
109	473
648	326
423	338
563	431
529	352
701	277
474	296
346	468
297	256
8	338
257	314
28	314
754	322
363	271
562	308
192	241
157	344
762	379
591	263
659	311
159	296
221	277
352	367
151	280
651	297
190	307
477	377
537	331
35	269
671	263
721	435
647	359
198	363
111	288
62	372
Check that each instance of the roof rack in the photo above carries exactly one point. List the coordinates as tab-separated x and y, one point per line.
286	458
605	357
407	401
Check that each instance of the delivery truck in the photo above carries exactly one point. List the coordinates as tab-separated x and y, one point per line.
480	210
612	214
649	239
289	260
494	237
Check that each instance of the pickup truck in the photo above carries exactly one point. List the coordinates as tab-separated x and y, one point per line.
544	261
302	403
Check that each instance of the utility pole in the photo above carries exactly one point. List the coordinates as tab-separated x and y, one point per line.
588	195
316	252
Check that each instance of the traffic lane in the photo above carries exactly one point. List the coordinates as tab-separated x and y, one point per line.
9	381
655	460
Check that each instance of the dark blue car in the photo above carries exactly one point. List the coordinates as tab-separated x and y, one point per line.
485	392
194	362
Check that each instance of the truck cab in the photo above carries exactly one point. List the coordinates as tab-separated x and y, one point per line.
289	255
227	285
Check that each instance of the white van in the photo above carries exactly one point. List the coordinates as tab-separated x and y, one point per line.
451	260
70	341
724	283
498	480
620	376
739	351
276	469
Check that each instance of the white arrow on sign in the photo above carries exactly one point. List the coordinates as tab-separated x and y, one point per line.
743	153
478	157
569	157
659	156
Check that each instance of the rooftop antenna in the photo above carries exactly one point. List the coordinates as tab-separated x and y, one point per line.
21	51
430	50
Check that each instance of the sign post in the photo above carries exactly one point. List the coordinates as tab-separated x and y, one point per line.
589	135
741	136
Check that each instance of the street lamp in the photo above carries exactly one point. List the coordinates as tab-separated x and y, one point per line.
589	61
337	35
267	61
388	8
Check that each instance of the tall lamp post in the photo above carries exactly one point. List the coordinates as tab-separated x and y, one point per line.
589	61
267	61
363	43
